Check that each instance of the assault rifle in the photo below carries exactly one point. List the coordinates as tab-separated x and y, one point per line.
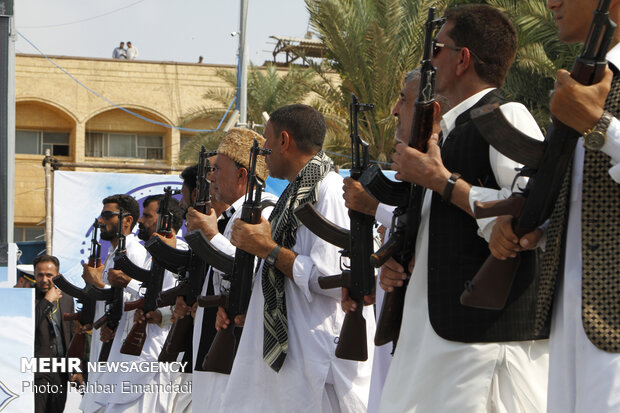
86	315
134	342
357	244
113	296
224	347
190	267
406	197
546	163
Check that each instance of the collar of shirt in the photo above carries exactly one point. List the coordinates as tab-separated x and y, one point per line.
449	118
613	56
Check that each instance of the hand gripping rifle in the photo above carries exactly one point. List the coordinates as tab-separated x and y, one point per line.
546	163
406	197
357	244
86	315
224	347
190	267
113	296
134	342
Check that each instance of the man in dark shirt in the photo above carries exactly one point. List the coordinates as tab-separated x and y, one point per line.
52	334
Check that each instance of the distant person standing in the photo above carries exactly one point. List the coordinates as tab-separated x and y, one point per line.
200	59
120	52
132	52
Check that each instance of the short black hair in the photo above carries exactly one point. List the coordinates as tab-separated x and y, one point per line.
189	176
127	203
304	123
46	258
489	35
173	206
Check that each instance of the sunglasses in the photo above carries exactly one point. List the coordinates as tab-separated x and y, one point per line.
438	46
109	214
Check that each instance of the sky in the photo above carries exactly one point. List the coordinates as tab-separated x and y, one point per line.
161	30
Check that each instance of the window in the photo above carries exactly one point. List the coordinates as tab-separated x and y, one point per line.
28	234
185	140
124	145
36	142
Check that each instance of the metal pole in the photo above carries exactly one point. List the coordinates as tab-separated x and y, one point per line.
243	65
48	202
7	120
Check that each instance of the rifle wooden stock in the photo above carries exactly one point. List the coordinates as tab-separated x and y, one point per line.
104	353
77	346
180	334
222	353
352	334
71	316
100	322
134	305
134	342
202	247
330	232
390	319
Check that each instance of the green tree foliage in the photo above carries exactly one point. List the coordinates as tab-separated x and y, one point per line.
267	91
371	44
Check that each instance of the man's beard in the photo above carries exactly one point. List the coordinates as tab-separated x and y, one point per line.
143	233
107	235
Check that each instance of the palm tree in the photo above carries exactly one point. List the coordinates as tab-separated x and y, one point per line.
267	91
371	44
540	54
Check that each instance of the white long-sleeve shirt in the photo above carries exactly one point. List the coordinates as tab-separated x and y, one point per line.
209	386
431	374
311	379
137	255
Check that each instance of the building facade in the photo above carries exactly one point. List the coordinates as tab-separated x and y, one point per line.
55	112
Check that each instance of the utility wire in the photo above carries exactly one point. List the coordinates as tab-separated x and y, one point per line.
82	20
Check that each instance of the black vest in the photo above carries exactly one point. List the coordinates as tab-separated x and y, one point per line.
456	252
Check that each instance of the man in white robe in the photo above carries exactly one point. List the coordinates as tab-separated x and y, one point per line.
439	366
99	276
584	360
286	359
229	183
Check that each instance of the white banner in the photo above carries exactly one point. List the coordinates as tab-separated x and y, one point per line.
77	202
16	342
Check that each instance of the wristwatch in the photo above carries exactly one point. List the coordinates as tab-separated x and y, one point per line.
594	138
273	255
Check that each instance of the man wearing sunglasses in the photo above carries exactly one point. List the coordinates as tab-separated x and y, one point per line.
452	358
103	277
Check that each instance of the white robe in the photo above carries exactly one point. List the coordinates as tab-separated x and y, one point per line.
311	379
383	354
582	378
210	386
135	401
137	254
431	374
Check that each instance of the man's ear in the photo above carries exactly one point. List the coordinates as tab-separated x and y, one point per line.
286	141
436	110
129	221
466	59
243	174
